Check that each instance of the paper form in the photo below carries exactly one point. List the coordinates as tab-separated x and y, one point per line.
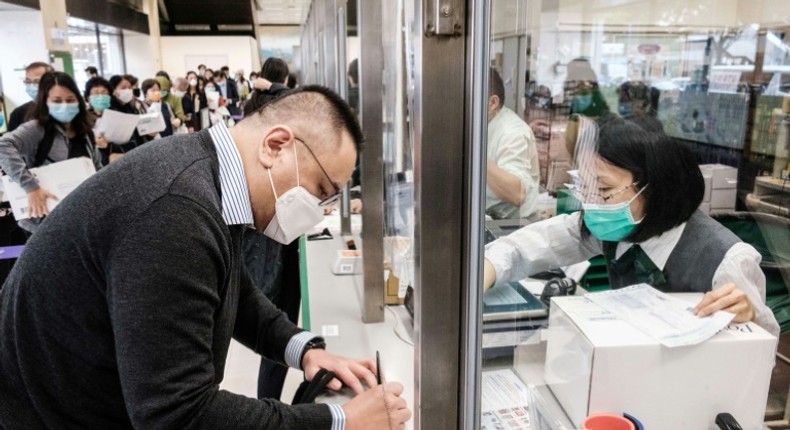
668	320
152	122
504	400
116	127
59	179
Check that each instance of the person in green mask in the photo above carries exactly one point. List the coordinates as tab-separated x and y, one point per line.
171	100
640	192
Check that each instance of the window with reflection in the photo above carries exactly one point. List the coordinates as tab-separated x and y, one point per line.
633	143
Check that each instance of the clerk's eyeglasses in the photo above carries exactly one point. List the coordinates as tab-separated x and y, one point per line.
331	200
599	199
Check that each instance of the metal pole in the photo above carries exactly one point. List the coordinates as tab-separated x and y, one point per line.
477	37
371	163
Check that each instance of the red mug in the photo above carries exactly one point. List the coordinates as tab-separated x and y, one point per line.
606	422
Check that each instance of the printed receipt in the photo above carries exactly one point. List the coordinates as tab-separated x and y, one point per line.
666	319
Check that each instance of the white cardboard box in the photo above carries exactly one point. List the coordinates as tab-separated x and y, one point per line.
723	198
596	363
718	176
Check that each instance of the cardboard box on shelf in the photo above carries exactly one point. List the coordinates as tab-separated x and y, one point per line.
391	286
604	365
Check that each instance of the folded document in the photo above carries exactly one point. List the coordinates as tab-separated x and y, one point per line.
59	179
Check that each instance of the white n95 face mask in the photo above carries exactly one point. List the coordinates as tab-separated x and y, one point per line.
295	212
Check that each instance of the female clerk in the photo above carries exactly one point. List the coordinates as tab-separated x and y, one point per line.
640	192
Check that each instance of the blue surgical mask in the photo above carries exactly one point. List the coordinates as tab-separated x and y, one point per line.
100	102
581	102
625	109
63	112
31	90
611	223
164	93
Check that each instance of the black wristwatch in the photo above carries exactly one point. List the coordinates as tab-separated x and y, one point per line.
317	342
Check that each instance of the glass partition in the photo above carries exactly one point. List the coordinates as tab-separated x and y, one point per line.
624	140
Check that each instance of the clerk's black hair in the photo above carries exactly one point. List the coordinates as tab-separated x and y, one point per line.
674	182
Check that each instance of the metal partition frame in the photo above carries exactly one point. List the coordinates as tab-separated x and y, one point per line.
438	115
476	127
372	165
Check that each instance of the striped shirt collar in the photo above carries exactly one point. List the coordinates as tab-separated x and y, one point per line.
236	207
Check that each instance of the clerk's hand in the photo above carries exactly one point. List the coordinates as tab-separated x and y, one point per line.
101	141
356	206
489	275
37	202
379	408
347	370
726	298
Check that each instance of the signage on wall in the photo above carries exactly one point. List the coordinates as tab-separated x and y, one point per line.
724	81
648	49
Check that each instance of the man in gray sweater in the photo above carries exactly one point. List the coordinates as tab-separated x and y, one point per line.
120	311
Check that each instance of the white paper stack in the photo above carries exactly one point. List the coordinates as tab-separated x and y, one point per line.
59	179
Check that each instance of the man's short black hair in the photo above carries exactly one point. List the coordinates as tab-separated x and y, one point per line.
274	70
662	164
92	70
294	104
39	64
495	86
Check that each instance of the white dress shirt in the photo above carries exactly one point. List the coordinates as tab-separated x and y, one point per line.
237	210
557	242
511	145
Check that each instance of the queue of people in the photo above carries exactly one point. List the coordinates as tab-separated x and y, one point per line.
154	327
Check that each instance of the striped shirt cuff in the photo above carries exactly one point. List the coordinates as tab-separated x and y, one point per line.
295	348
338	417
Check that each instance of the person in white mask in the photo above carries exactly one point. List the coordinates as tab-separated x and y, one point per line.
158	298
640	192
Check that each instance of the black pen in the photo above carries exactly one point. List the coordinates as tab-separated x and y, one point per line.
378	368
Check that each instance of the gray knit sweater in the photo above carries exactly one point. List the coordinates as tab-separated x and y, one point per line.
120	311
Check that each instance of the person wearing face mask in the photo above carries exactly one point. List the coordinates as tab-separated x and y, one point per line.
97	94
227	88
33	73
59	130
153	103
138	101
193	101
513	171
640	192
214	101
123	100
242	86
581	88
171	99
159	298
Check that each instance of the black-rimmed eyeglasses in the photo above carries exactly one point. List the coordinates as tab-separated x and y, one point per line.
331	200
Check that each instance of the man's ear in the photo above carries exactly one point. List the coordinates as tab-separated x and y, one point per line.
493	103
273	142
